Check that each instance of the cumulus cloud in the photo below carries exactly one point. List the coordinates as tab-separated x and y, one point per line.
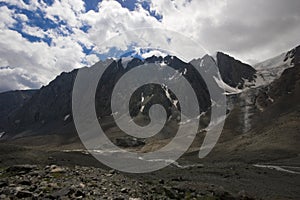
6	17
249	30
11	79
61	36
61	48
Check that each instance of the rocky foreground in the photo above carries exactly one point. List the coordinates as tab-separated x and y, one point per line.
55	182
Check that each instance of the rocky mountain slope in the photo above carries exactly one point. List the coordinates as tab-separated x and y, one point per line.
234	72
264	120
49	109
10	102
262	103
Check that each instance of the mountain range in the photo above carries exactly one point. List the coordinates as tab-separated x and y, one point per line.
263	109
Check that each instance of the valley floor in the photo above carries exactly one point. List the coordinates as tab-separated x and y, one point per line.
39	174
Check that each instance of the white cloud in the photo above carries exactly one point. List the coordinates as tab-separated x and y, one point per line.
6	17
17	3
34	31
22	17
249	30
11	79
92	59
113	19
38	60
67	11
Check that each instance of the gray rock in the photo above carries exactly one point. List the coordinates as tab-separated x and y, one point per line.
24	194
3	184
21	169
124	190
56	169
129	142
79	194
62	192
25	182
170	193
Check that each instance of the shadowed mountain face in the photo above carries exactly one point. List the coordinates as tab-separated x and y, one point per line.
234	72
11	102
295	55
275	127
45	112
257	153
263	123
48	110
116	70
281	97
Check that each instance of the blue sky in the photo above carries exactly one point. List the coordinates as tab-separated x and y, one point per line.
36	18
39	39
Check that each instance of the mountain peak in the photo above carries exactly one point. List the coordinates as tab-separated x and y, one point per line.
294	54
272	68
142	54
234	72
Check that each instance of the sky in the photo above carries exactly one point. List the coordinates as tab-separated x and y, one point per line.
39	39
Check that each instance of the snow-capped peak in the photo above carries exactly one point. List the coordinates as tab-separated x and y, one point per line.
125	61
141	54
271	69
156	53
281	61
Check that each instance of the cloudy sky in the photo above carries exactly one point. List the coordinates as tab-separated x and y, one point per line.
41	38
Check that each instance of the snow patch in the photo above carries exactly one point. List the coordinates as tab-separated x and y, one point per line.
278	61
151	53
272	69
142	97
175	76
142	108
228	89
278	168
185	122
174	102
66	117
173	162
2	134
163	64
125	61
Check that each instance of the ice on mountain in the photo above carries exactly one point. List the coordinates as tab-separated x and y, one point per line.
151	53
272	69
66	117
125	61
163	64
142	101
2	134
228	89
168	95
142	97
175	76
